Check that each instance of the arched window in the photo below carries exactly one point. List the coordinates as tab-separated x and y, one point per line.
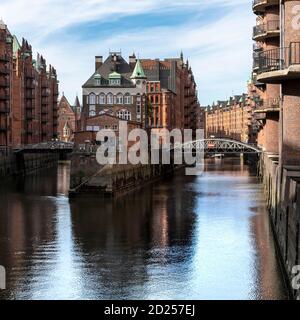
92	98
92	113
127	98
119	98
102	98
110	98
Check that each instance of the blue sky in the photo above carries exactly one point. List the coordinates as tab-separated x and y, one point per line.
215	35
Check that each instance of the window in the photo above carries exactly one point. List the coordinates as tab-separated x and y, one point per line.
127	98
138	108
92	113
120	98
92	98
102	98
124	114
66	132
110	98
114	82
127	115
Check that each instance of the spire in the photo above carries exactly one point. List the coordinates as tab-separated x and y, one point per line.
2	24
138	72
77	105
181	56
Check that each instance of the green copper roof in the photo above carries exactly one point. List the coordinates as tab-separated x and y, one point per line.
138	72
114	75
97	76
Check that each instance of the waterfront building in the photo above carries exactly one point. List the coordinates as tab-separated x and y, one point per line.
28	91
153	93
68	117
5	83
116	90
277	77
230	119
172	94
266	35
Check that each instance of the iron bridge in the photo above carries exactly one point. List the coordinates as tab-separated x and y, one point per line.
51	146
219	146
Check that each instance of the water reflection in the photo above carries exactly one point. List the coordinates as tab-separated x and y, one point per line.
202	237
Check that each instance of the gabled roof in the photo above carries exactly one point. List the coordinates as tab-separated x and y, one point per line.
64	101
114	63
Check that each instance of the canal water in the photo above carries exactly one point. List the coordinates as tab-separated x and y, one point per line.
205	237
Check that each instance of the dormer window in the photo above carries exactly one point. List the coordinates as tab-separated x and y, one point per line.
114	79
97	79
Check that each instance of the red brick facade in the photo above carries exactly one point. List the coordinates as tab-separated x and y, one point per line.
230	119
30	91
68	117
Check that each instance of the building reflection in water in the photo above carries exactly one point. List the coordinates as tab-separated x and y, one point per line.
182	238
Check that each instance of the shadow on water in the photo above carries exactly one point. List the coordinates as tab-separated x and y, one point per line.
204	237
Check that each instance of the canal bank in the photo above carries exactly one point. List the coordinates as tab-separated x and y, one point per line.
18	163
184	237
282	190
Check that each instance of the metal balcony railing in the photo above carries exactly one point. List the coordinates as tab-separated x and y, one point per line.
4	70
4	83
4	57
269	104
279	59
263	29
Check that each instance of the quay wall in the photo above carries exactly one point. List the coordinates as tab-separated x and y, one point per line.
88	177
282	189
21	164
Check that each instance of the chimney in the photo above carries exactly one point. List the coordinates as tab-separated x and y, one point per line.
98	62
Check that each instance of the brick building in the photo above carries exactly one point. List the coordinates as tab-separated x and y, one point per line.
116	88
266	96
156	94
172	94
230	119
28	91
68	117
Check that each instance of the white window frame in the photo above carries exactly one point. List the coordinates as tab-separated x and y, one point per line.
110	98
119	98
102	98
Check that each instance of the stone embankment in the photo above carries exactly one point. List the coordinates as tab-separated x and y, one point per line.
88	177
282	189
21	164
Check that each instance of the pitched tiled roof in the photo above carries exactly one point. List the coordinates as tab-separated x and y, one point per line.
114	63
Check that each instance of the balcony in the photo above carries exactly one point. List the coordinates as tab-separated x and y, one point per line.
267	30
29	116
4	83
268	105
4	58
4	70
261	5
4	96
3	127
4	108
279	64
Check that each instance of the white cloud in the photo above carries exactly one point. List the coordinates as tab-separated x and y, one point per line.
220	52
